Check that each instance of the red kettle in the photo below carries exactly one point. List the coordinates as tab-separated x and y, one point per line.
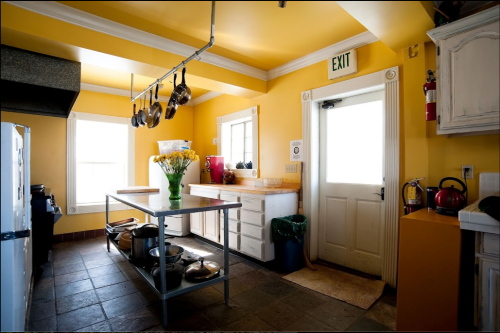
450	200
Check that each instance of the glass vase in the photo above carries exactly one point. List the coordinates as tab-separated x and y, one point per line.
174	185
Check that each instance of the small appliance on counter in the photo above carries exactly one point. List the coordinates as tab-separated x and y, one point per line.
450	200
215	165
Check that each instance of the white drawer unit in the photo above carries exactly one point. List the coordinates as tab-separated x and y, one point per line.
253	231
250	226
490	244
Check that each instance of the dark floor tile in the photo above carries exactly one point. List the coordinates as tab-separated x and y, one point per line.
98	263
221	314
383	313
236	286
148	296
308	323
336	314
249	323
42	311
103	270
72	268
64	246
140	284
44	325
277	288
367	325
117	259
279	314
305	300
131	274
178	308
125	304
45	271
66	261
134	321
255	278
94	256
40	283
115	290
124	265
204	297
252	300
109	279
239	269
43	293
195	321
64	253
389	297
76	301
73	288
71	277
83	317
103	326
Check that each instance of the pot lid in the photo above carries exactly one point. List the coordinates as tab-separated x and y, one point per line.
147	230
169	269
202	270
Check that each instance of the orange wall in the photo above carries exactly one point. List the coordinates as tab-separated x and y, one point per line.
48	153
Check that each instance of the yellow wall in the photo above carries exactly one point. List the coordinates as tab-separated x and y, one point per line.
48	152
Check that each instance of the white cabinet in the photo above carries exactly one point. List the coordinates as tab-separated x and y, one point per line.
488	282
468	74
250	226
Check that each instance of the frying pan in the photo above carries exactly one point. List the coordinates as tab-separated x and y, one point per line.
141	115
172	103
157	110
134	119
182	92
149	119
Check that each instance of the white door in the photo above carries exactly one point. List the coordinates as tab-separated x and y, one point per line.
351	172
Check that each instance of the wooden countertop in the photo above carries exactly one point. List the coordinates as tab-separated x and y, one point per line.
285	188
432	216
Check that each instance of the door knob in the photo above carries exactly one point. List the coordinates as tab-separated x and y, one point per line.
382	192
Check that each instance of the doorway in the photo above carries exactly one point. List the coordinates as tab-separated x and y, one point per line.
388	81
352	181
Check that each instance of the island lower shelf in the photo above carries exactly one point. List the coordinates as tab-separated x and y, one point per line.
185	287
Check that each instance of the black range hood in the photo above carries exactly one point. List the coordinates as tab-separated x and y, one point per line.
38	84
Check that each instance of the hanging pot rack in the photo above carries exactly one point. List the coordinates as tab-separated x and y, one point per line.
182	64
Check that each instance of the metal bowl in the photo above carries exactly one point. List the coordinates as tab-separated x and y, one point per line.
172	253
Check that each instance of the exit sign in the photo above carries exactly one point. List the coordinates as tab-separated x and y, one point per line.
343	64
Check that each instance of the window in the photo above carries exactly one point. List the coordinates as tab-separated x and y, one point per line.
101	156
237	140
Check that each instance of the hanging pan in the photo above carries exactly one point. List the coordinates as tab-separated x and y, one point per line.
157	109
141	115
149	117
135	124
172	103
182	92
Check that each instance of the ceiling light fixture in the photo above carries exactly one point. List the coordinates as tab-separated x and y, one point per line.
282	4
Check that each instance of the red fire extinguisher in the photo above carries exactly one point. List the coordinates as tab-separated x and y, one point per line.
414	196
430	96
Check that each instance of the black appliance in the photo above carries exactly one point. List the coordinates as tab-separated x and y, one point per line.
44	214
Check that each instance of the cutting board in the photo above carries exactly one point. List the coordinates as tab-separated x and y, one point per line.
137	189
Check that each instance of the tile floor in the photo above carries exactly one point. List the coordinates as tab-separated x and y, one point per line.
84	288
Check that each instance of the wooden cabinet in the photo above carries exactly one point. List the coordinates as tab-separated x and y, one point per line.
428	272
250	226
487	281
468	74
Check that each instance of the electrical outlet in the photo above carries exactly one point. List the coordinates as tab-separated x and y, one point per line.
290	168
214	141
470	174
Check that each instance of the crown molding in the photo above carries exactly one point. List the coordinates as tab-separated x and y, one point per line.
362	39
89	21
205	97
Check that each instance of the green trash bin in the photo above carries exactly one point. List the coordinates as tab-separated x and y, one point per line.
288	236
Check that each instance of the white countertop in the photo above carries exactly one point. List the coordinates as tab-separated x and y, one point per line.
471	218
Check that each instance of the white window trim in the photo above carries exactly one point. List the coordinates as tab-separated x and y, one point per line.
250	112
72	207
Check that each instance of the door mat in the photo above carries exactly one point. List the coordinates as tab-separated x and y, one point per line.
346	287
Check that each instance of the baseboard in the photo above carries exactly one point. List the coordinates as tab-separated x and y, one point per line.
79	235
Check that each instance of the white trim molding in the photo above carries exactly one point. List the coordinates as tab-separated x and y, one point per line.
389	79
204	98
86	20
362	39
235	116
72	206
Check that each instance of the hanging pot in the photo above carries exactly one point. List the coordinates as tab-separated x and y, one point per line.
202	270
134	122
141	115
157	109
149	118
450	200
182	92
172	103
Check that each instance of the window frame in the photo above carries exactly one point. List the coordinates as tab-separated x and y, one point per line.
72	207
233	118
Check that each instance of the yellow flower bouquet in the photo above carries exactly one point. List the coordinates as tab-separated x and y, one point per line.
174	165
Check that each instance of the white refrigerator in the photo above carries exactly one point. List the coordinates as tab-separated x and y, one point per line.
177	225
16	226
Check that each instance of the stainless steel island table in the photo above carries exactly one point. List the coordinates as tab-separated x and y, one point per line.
158	205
